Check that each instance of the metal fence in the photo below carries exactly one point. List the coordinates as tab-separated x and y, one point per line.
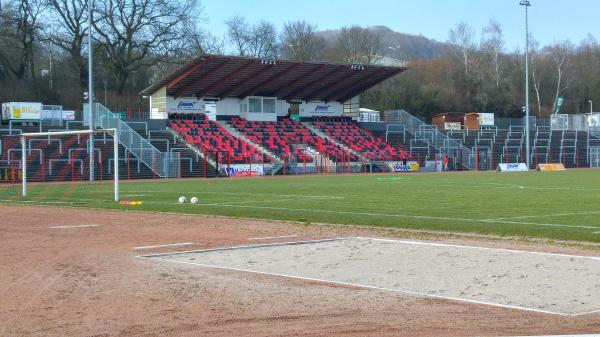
430	135
164	164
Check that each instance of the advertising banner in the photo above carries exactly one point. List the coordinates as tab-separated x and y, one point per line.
486	119
68	115
184	105
551	167
452	125
411	166
513	167
245	170
593	121
22	110
332	109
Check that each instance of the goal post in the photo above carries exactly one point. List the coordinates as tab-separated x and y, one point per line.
26	148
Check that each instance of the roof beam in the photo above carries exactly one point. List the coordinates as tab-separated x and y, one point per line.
351	92
316	84
198	79
187	73
225	78
243	82
341	88
268	81
337	83
301	75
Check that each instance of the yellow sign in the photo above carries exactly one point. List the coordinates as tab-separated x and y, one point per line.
551	167
414	167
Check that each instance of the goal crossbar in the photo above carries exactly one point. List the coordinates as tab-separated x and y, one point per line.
113	132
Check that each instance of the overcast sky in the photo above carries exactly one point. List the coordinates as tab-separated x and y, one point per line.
550	20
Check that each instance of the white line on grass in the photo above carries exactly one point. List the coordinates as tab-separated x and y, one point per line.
298	196
238	205
367	287
77	226
407	216
274	237
165	245
546	215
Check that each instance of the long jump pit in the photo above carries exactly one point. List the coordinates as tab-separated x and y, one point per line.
556	284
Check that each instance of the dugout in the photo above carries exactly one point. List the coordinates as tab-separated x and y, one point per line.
223	87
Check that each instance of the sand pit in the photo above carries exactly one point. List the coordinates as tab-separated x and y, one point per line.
549	283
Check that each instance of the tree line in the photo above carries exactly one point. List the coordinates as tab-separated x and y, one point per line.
43	57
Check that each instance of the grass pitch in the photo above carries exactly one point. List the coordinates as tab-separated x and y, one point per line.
556	205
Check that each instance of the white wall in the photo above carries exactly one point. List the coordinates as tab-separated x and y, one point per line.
229	107
224	107
282	107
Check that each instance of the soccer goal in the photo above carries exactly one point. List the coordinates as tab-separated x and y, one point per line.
61	164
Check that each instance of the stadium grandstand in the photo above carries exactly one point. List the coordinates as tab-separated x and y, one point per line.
236	116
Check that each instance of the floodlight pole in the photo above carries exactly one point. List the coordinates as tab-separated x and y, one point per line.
91	89
526	4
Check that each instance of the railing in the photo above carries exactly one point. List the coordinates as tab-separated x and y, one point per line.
164	164
439	141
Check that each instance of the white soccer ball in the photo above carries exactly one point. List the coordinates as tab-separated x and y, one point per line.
182	200
194	200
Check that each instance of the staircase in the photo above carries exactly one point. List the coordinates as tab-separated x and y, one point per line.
442	144
164	164
233	131
322	134
208	166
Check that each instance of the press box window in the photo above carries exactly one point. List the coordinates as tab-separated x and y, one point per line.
254	105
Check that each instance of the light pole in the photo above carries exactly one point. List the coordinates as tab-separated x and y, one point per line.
91	89
591	107
526	4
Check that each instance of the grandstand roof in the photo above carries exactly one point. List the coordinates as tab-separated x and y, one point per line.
232	76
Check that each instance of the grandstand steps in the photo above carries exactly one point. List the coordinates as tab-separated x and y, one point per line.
192	161
202	165
321	134
234	132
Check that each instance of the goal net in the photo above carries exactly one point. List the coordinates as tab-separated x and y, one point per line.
60	167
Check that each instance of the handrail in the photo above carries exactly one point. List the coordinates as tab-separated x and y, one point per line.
441	142
164	164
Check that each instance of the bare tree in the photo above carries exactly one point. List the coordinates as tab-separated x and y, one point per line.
68	32
238	32
20	27
561	54
492	44
140	33
359	45
299	41
258	40
536	58
462	39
